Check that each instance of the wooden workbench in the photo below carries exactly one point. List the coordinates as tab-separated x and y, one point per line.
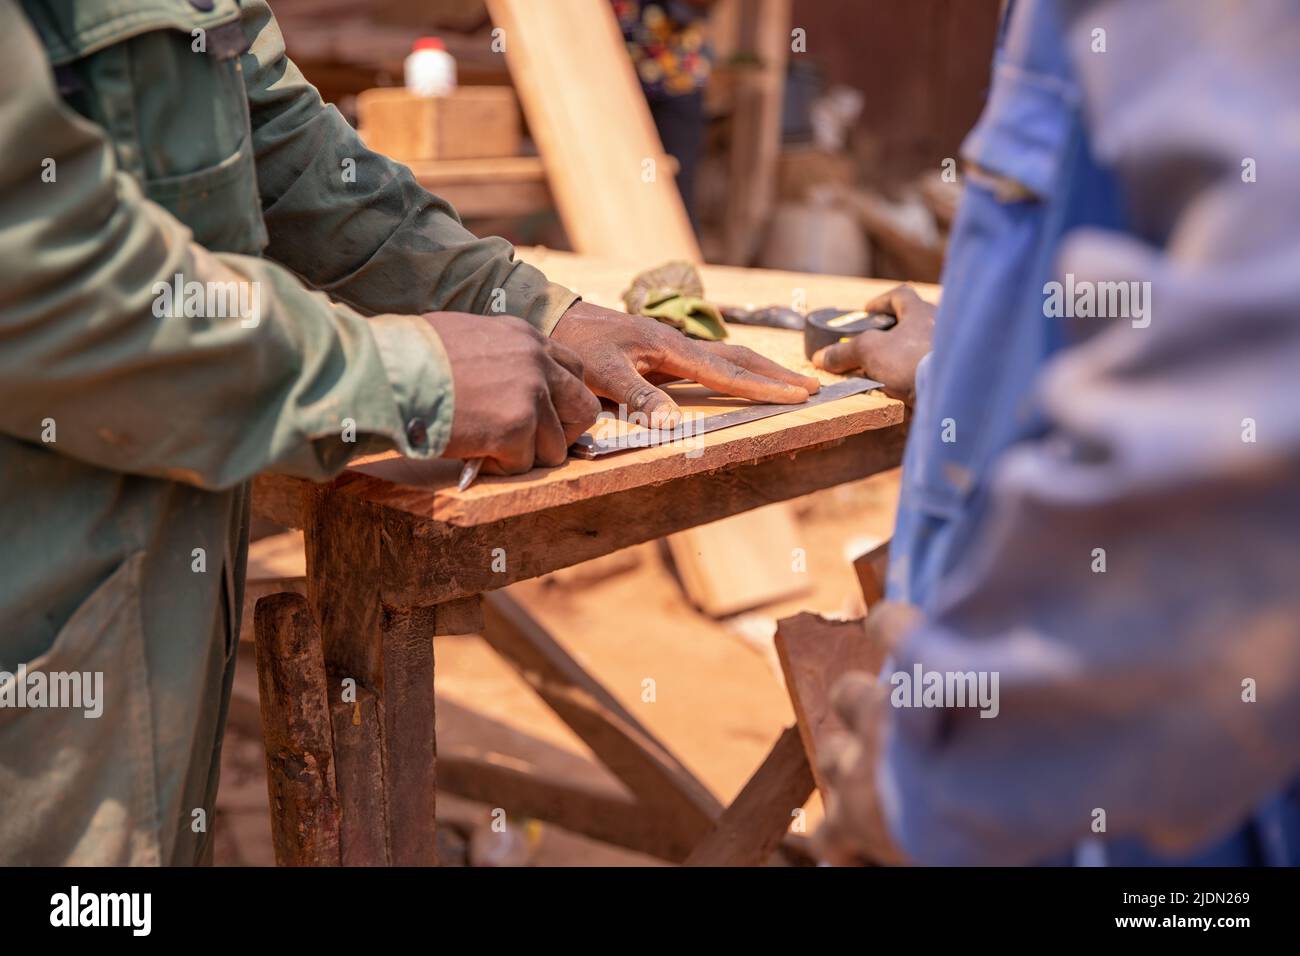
395	556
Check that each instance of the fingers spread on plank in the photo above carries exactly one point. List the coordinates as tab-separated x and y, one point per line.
748	358
689	360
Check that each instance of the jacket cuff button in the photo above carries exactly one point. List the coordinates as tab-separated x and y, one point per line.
417	432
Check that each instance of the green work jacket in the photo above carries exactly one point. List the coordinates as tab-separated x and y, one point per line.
204	274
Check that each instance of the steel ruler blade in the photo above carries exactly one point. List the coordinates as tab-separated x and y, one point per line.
588	446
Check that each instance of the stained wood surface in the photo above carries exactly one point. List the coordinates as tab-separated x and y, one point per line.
359	769
593	128
814	653
376	630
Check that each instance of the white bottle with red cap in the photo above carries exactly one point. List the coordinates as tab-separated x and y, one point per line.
430	69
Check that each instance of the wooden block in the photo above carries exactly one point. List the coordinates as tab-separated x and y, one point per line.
740	562
815	653
474	122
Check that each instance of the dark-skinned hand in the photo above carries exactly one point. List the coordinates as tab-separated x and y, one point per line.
623	355
519	397
889	356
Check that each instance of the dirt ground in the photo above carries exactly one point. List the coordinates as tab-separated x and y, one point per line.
720	701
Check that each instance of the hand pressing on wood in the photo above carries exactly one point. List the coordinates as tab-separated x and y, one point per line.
519	397
855	830
892	355
623	355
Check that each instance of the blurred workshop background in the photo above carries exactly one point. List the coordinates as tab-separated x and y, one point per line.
809	132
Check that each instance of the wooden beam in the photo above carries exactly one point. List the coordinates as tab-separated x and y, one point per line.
756	127
607	168
608	817
757	820
359	769
654	776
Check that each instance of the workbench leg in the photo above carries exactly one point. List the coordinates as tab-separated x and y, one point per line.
300	772
377	638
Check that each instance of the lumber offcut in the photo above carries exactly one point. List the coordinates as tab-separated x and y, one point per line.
815	652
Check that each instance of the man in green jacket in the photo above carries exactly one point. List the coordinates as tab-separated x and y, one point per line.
174	200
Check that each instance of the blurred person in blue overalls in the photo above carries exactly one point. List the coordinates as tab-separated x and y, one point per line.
1101	501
